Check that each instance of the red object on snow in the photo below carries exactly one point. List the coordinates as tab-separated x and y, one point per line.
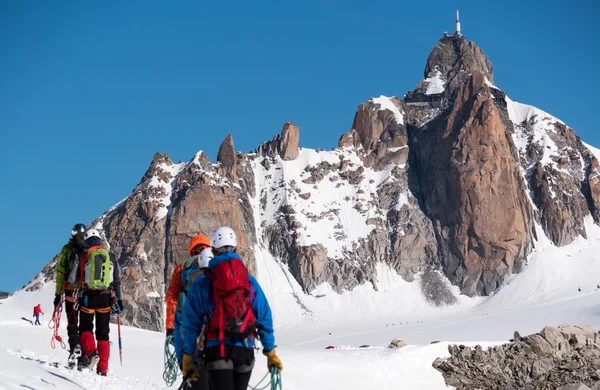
330	347
37	310
104	353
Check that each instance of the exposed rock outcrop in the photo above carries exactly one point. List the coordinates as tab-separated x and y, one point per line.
285	144
378	126
566	356
288	146
473	191
456	59
228	159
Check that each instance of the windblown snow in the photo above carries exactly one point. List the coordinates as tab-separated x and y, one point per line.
541	124
330	211
386	104
435	84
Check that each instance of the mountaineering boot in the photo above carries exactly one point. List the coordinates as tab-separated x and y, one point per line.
82	363
93	360
74	356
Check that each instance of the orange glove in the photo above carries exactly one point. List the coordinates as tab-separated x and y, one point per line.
188	370
273	360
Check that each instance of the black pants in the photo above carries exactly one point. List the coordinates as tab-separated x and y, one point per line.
71	320
232	372
94	300
202	382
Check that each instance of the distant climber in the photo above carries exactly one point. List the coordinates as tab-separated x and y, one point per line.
37	310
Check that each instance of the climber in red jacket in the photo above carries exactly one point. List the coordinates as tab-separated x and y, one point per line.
37	310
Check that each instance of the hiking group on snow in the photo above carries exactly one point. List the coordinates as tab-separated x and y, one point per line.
216	311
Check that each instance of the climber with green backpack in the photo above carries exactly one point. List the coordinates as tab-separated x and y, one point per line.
100	278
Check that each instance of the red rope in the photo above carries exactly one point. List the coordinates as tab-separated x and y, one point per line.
55	324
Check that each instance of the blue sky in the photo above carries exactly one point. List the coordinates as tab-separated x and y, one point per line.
89	91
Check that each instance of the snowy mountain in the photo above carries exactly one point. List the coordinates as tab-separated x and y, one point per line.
428	199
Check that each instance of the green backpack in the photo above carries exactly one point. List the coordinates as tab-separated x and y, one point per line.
188	275
98	272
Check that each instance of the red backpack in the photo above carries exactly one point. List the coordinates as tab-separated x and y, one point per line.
233	317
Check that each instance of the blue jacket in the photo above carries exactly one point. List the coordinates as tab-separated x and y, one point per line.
199	306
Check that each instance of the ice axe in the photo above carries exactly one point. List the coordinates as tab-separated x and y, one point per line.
120	343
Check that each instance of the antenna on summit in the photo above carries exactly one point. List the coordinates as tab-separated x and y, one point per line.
457	33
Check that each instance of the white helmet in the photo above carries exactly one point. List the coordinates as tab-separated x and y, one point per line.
204	257
223	236
92	233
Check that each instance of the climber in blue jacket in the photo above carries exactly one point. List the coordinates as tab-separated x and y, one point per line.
230	328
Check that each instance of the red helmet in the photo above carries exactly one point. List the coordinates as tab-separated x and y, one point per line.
198	240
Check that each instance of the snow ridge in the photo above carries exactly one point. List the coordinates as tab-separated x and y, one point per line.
386	103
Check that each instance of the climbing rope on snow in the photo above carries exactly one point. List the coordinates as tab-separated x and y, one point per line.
275	383
54	324
171	365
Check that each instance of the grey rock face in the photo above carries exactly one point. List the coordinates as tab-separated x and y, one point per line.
472	190
565	357
455	59
559	172
377	128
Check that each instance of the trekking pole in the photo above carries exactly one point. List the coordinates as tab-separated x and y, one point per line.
120	343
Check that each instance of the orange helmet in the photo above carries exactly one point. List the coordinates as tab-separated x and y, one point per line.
198	240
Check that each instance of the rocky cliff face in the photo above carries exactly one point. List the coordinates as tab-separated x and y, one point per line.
473	190
448	184
563	358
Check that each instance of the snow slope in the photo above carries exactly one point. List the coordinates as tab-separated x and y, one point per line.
545	293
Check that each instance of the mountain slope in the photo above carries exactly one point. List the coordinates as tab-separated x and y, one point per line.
452	188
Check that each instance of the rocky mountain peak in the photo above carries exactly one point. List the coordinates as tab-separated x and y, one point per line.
156	168
284	144
288	147
378	125
451	61
228	159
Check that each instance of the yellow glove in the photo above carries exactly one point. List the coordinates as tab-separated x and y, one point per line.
188	368
273	360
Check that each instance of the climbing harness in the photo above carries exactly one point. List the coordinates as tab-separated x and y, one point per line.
54	324
171	365
275	383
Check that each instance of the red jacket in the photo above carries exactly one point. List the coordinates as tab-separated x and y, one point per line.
37	310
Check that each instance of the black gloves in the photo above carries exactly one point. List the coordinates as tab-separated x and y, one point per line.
117	307
57	300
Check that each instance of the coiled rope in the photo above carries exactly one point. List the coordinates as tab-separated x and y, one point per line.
171	365
54	324
275	383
